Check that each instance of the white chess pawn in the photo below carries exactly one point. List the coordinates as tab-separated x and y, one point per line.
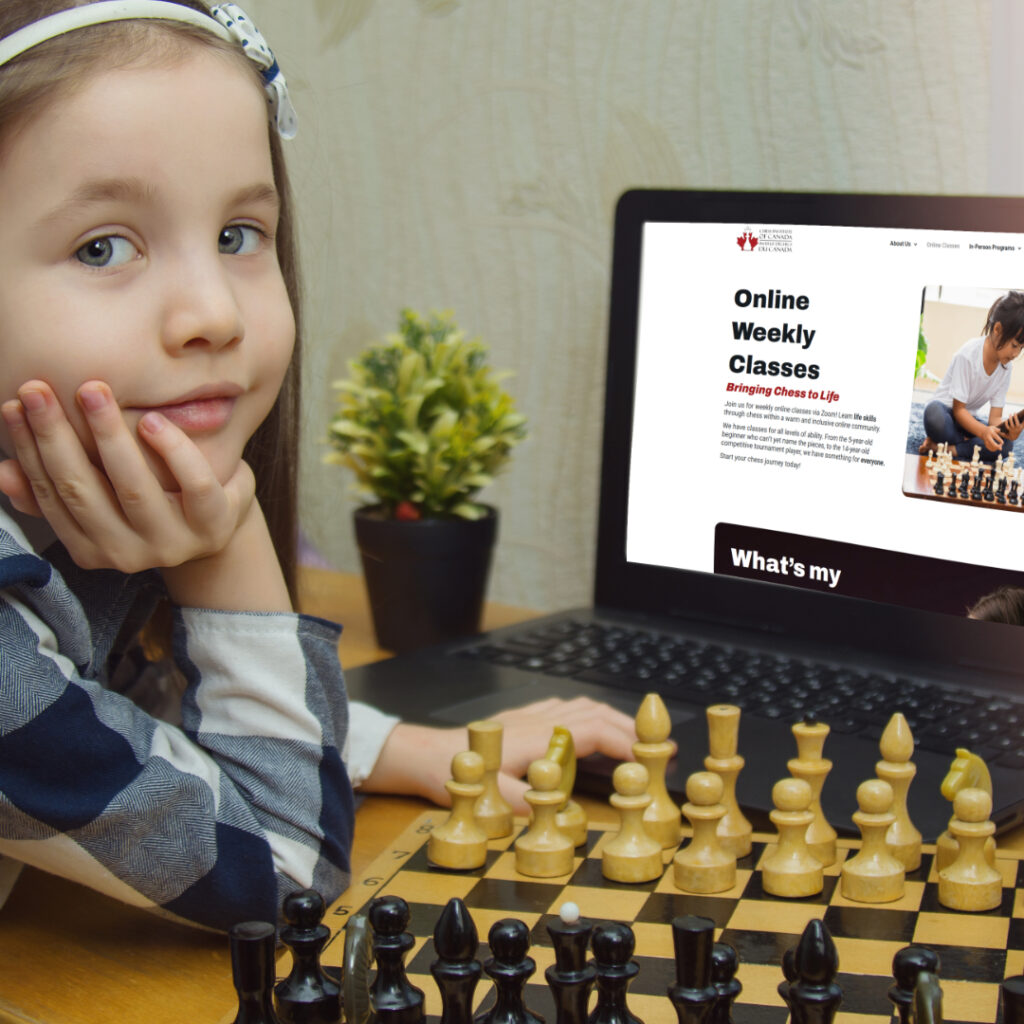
790	869
873	875
544	851
970	882
460	843
704	865
631	855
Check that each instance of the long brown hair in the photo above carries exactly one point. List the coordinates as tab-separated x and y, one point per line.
40	75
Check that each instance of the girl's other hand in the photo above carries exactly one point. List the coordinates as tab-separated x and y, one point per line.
992	438
416	759
117	516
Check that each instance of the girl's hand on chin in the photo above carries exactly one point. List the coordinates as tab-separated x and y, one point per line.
117	517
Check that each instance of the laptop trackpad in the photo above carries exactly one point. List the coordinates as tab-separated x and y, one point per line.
512	697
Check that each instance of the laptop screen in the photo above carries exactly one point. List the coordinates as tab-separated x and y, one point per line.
812	379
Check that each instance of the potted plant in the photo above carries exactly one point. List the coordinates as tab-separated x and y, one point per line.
424	423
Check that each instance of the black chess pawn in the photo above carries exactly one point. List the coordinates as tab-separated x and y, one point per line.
693	995
989	493
1001	491
612	946
252	970
456	969
965	478
570	977
1012	997
951	490
509	967
724	964
940	483
308	995
815	995
907	964
393	999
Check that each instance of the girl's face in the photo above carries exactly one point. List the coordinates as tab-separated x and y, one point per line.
1007	349
137	248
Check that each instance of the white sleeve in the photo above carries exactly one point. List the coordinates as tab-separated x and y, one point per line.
368	730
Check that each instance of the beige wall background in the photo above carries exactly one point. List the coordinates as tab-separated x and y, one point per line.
467	154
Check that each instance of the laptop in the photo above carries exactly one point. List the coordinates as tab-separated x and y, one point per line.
769	534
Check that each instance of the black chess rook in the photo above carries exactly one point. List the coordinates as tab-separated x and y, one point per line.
693	995
252	970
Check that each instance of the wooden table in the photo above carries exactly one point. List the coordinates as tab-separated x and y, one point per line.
71	956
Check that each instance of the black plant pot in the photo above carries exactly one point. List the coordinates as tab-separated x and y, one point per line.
426	579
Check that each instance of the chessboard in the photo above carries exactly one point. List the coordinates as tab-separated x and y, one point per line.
921	481
977	950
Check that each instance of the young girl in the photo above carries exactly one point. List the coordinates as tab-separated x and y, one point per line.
979	375
149	371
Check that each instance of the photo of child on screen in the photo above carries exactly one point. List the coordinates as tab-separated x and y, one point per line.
977	378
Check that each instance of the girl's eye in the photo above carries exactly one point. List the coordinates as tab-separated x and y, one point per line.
106	251
239	240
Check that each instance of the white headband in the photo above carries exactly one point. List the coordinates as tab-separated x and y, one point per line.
228	21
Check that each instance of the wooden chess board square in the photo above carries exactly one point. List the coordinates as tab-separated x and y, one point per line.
759	946
1014	962
519	895
788	917
968	1000
428	886
661	908
1018	903
975	930
653	940
867	956
877	923
969	963
605	904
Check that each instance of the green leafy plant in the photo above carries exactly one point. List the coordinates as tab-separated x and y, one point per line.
423	422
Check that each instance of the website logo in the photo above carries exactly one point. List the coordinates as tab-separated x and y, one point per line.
747	241
766	240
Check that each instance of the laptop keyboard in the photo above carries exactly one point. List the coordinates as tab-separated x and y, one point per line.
765	685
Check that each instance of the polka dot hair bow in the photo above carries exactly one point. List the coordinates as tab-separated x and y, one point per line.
249	37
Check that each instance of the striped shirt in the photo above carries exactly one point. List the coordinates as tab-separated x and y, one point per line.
212	821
